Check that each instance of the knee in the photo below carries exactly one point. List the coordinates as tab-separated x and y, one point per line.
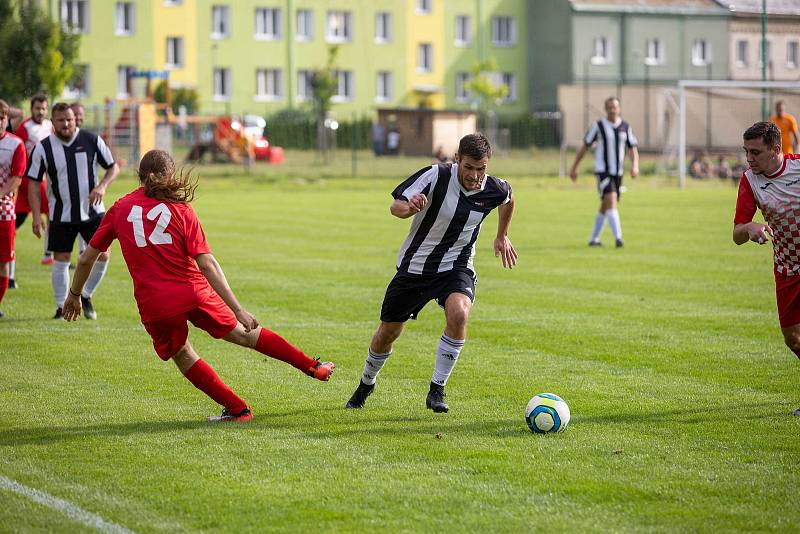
387	333
458	315
104	256
792	341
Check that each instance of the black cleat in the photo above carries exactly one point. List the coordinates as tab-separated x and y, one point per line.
595	244
620	244
12	284
227	417
59	314
360	396
88	309
435	400
796	412
2	314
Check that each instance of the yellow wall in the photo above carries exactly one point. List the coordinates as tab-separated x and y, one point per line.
425	29
176	21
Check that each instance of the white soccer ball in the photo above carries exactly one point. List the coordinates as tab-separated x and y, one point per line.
547	412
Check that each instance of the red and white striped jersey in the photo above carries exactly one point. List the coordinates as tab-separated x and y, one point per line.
12	164
778	197
31	132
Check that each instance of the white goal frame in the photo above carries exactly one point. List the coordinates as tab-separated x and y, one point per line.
711	84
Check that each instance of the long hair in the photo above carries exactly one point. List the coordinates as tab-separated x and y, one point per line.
162	181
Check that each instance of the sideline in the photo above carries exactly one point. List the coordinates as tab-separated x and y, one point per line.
68	509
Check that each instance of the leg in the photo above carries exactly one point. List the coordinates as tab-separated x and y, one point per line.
791	336
4	268
609	206
456	310
99	268
380	348
60	280
600	216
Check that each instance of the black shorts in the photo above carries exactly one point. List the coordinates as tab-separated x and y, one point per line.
21	216
62	235
608	184
407	294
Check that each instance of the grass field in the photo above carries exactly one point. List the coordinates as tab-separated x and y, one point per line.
667	351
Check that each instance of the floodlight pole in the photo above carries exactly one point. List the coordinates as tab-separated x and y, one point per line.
764	114
681	135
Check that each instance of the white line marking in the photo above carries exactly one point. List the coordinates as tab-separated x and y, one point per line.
68	509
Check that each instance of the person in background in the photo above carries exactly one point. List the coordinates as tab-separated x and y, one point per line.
788	127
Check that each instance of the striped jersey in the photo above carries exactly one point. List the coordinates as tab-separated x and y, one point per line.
778	197
12	164
612	140
443	234
32	132
70	168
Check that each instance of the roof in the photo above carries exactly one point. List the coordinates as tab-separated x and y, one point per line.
753	7
656	7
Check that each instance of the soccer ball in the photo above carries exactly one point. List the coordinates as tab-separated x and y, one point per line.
547	412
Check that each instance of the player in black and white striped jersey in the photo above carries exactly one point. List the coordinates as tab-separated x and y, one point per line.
612	137
448	203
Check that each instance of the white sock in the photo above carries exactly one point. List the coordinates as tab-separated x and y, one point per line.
599	221
11	269
60	278
613	222
373	366
446	356
95	277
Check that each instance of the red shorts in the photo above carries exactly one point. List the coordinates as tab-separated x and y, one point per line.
8	230
170	334
787	291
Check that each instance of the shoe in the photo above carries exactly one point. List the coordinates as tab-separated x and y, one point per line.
595	244
360	395
12	284
321	370
59	314
88	309
435	400
620	244
796	412
227	417
2	314
47	260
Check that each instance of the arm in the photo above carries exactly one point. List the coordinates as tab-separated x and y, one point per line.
502	244
96	195
213	272
72	306
404	209
752	231
35	201
573	173
10	186
634	161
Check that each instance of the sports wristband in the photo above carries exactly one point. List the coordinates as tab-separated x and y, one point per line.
71	292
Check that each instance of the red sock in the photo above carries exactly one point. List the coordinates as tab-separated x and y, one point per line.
203	377
275	346
3	287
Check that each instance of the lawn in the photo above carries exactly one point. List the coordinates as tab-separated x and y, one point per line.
668	352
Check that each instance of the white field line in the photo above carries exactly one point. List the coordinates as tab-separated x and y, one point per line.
68	509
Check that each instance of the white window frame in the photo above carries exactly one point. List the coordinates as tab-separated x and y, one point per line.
742	53
510	79
654	51
220	22
792	54
425	57
423	7
601	50
174	53
304	25
345	86
463	30
383	27
384	86
124	12
221	84
269	23
123	76
701	53
75	10
502	25
269	85
339	26
72	93
304	89
462	93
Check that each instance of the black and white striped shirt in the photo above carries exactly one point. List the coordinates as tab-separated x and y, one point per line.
612	141
71	175
442	236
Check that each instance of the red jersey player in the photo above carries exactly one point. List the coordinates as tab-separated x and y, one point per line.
176	279
13	161
772	184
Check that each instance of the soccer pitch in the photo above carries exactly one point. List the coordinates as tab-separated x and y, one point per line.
668	352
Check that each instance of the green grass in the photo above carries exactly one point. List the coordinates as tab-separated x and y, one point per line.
668	352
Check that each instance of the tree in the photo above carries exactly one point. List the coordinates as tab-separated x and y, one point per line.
181	96
487	94
37	54
324	85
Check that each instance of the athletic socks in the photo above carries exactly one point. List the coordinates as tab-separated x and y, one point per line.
613	222
12	269
204	378
274	346
446	356
599	221
3	287
95	277
373	365
60	279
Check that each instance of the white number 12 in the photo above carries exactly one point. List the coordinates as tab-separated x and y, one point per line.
158	236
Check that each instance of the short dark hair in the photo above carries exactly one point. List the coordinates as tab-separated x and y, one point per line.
766	131
609	99
38	97
475	146
76	105
60	107
5	109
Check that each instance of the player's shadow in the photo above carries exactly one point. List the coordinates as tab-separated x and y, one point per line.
49	435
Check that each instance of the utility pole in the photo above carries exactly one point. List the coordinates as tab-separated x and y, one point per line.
764	112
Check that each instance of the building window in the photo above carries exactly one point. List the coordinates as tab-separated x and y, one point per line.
792	54
124	18
654	54
220	27
463	30
174	52
268	24
383	27
504	31
383	90
701	53
340	27
425	57
742	53
78	85
222	83
424	7
510	81
124	81
171	3
601	51
462	93
269	84
75	15
344	86
305	25
305	90
762	49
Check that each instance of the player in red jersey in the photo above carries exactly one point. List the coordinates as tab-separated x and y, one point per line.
13	161
177	279
772	184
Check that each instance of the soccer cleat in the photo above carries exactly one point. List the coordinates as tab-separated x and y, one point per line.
59	314
360	395
47	260
2	314
12	283
88	309
595	244
227	417
620	243
321	370
796	412
435	400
